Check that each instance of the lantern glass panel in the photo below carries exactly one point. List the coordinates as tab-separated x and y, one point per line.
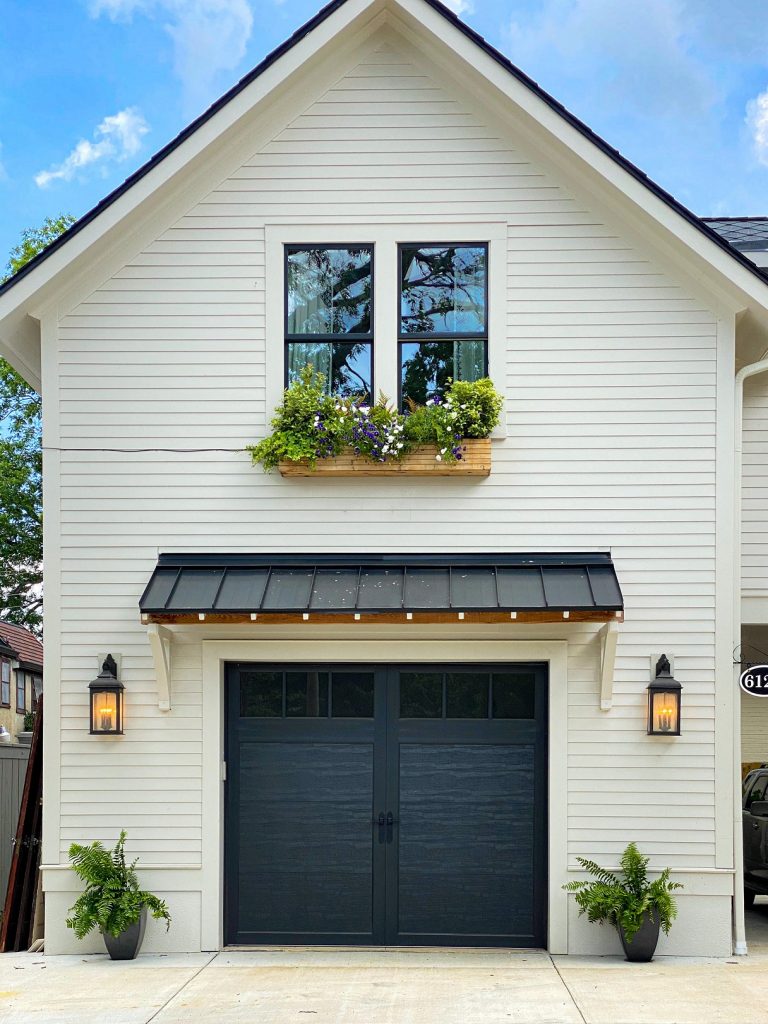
664	713
105	711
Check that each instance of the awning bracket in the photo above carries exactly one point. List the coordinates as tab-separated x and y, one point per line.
160	642
609	636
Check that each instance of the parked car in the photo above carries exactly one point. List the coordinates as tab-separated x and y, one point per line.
755	825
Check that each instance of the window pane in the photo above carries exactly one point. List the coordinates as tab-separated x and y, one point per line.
346	366
421	694
21	686
427	366
261	694
5	669
466	695
443	290
306	694
329	291
514	695
352	695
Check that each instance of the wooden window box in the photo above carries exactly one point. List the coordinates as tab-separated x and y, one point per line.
420	462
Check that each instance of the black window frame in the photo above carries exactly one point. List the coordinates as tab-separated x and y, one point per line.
288	337
409	337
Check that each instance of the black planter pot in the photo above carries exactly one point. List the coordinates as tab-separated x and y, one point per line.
128	943
643	945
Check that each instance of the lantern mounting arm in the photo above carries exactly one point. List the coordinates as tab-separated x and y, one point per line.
160	643
609	636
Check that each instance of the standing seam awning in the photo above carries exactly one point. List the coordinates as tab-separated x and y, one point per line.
324	585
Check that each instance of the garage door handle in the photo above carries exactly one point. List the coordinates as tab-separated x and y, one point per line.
390	826
381	821
755	826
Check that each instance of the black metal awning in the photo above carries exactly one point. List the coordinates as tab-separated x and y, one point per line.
272	584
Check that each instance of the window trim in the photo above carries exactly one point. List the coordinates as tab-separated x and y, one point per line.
5	661
385	235
20	675
409	338
368	337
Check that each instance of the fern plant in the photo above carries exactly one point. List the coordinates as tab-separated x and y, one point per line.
625	901
112	899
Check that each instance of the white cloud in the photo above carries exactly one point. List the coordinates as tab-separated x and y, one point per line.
757	122
460	7
209	36
117	138
635	55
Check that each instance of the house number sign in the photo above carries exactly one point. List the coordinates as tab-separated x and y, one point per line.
754	680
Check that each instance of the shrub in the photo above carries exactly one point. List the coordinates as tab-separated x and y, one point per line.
112	900
29	721
311	425
624	901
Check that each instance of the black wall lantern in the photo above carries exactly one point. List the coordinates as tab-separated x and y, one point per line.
664	701
106	693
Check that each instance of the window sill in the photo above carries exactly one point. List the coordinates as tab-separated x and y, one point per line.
420	462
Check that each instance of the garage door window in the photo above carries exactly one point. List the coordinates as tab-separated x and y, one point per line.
465	695
306	694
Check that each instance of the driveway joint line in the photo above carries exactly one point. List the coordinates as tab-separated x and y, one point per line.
568	990
180	990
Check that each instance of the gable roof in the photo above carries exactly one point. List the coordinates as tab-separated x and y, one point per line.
25	644
705	226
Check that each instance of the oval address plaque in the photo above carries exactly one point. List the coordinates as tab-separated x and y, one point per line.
754	680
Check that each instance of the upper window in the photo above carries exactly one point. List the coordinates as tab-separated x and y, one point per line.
21	692
5	682
329	316
443	331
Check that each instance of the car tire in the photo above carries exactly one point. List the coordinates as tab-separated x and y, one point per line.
749	897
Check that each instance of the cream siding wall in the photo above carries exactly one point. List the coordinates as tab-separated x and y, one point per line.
754	542
610	420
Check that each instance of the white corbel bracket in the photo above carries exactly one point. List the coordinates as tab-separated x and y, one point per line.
160	642
609	636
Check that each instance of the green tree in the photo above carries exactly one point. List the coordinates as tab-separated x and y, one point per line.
21	514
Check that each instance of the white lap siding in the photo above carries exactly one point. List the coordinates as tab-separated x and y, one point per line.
754	540
610	417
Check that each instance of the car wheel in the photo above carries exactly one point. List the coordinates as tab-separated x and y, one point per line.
749	897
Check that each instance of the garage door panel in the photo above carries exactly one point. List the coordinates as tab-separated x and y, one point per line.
466	853
304	837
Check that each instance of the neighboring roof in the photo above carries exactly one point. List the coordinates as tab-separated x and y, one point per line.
748	234
381	583
300	34
27	647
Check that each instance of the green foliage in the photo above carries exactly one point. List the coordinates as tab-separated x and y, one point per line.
624	901
21	525
112	899
312	425
29	721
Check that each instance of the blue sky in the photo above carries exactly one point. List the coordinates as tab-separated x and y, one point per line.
90	88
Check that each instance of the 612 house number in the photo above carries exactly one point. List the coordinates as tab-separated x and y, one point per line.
754	681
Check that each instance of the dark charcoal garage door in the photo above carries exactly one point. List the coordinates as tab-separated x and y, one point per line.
397	805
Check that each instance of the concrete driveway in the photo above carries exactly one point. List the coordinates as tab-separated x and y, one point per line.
380	987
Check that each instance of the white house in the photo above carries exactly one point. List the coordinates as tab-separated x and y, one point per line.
520	615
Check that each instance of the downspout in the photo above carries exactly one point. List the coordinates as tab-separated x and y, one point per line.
739	930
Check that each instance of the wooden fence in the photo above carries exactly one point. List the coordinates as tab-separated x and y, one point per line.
13	768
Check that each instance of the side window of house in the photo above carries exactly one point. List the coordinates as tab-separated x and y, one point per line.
21	692
5	682
329	315
443	329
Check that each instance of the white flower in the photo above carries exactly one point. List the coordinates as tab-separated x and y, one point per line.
464	406
454	415
443	451
365	409
400	445
430	401
438	458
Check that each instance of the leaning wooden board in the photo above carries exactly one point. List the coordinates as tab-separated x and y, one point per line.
422	461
